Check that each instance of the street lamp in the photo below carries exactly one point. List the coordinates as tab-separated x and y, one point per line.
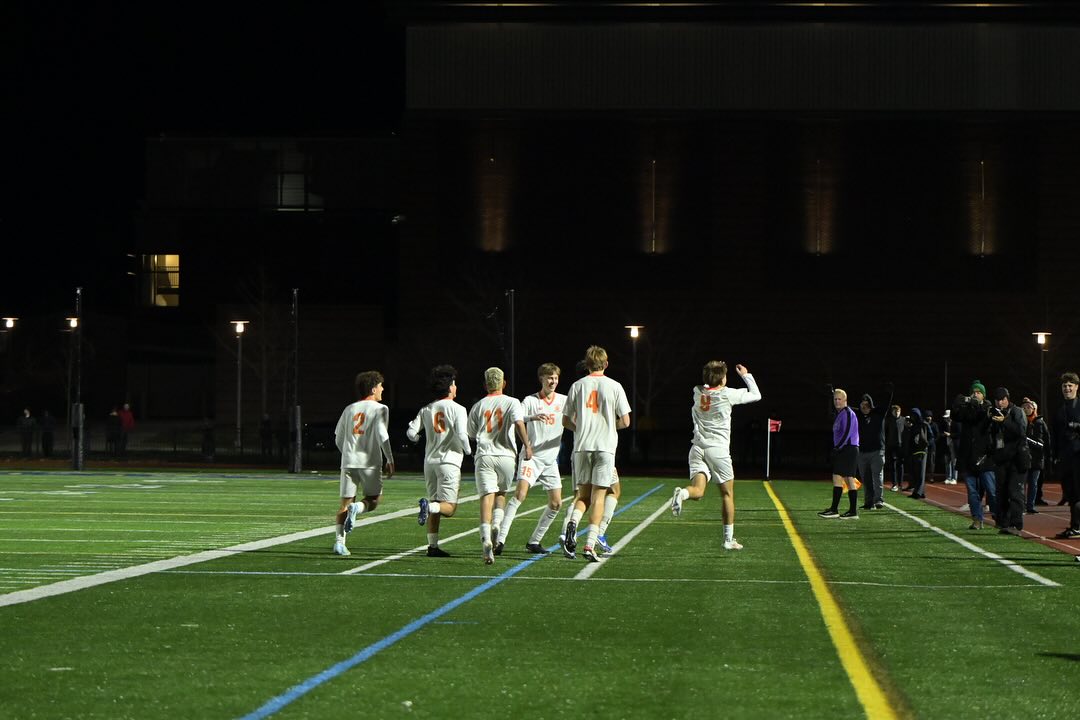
1042	339
238	327
635	332
9	323
77	414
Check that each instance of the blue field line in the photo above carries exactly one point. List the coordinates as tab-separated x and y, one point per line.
297	691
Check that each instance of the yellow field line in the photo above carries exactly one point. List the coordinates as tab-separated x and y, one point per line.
870	694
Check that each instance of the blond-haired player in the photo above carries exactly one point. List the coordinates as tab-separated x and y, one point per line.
543	420
443	423
363	438
710	451
493	422
596	408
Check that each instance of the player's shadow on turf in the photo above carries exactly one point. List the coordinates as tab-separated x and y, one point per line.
1075	657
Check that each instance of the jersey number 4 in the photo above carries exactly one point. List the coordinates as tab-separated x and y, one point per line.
358	423
593	401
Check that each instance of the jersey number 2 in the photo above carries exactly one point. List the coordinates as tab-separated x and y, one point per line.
358	423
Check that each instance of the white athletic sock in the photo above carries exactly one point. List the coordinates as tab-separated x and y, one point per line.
569	514
590	537
339	533
729	533
433	539
485	533
434	508
684	494
508	518
610	503
497	519
542	525
361	507
576	517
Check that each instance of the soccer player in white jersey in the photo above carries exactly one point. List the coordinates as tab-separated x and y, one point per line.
493	421
543	420
710	453
364	441
443	422
596	408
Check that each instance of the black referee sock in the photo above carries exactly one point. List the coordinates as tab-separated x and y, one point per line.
853	497
836	493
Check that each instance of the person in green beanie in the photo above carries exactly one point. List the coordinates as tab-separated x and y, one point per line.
973	458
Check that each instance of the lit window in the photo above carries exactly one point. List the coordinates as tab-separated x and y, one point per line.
161	280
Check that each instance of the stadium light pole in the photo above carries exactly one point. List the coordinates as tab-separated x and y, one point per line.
635	332
6	329
238	327
78	416
1042	340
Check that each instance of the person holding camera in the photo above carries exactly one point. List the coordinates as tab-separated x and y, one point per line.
916	437
1012	459
973	454
1067	448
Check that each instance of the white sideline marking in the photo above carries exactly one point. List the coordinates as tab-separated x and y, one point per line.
588	570
89	581
1014	566
398	556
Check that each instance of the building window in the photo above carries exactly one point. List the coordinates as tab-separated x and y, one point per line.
161	280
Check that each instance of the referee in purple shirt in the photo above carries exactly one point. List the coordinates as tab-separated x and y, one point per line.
845	458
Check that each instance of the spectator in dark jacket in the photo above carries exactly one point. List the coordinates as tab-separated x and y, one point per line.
1067	450
894	446
1008	436
932	433
1038	439
27	426
973	459
948	447
872	450
47	424
915	450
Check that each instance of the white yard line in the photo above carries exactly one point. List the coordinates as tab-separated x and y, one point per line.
590	568
424	547
1015	567
109	576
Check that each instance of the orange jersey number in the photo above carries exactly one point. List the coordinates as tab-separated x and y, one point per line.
358	423
439	422
593	402
706	403
498	419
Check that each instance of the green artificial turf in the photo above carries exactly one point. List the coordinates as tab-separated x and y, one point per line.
671	626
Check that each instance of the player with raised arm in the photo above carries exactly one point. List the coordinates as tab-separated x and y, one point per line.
363	438
443	423
543	420
710	451
596	408
493	421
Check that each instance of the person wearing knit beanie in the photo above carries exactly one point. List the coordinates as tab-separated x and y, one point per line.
977	387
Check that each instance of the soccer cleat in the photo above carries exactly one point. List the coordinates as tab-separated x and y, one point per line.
603	544
350	516
340	549
536	549
589	554
494	535
732	544
498	548
850	515
489	554
570	543
676	502
830	513
879	505
422	517
436	551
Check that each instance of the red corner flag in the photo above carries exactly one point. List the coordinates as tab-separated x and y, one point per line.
774	425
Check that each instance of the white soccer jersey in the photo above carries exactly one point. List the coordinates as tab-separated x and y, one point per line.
361	435
594	403
545	435
491	422
443	423
712	412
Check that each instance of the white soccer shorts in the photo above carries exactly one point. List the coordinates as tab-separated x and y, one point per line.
712	464
443	481
368	480
494	473
594	467
536	471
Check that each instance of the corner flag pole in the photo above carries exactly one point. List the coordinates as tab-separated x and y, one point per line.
768	445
